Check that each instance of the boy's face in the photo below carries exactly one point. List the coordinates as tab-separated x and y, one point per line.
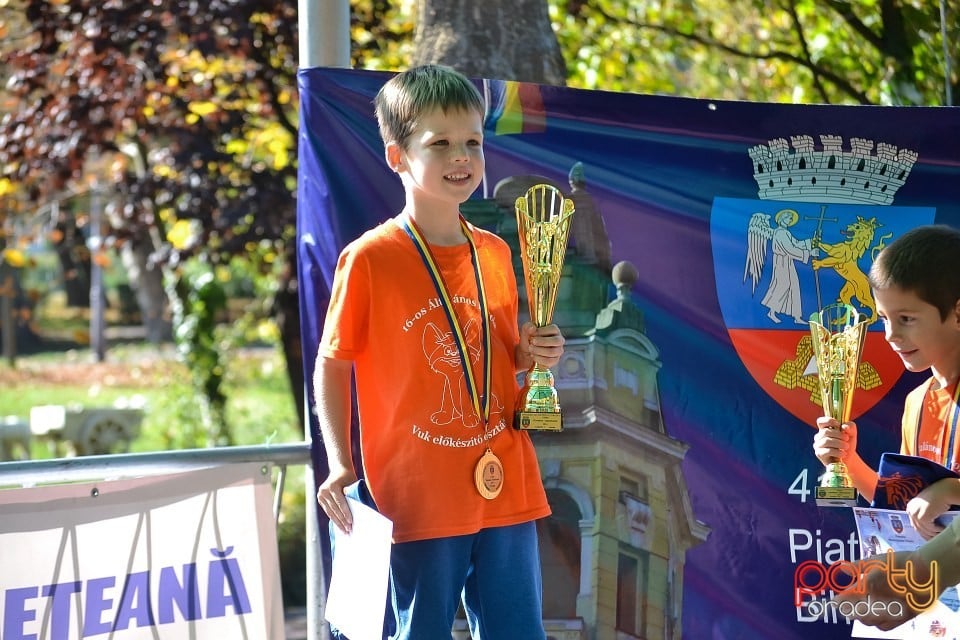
914	330
443	162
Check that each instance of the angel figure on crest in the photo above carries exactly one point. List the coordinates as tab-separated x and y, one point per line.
783	293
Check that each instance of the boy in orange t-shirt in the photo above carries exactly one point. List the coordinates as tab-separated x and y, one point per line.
916	285
423	312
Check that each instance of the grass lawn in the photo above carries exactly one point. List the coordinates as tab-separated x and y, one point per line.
260	408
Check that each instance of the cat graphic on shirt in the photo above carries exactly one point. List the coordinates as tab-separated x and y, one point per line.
442	355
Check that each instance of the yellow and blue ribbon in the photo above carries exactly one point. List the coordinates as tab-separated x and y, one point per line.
481	400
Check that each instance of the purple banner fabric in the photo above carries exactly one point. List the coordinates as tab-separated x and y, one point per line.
716	204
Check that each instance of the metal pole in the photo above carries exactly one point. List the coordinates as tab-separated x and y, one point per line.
120	465
316	587
8	324
946	53
94	244
324	33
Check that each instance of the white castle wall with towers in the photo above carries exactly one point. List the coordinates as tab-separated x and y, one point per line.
832	174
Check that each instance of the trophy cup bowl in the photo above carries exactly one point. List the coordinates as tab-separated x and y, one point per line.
543	223
838	333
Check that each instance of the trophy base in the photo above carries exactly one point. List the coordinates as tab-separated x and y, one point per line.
836	497
538	421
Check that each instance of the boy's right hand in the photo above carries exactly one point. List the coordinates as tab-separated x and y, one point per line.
834	441
886	606
332	500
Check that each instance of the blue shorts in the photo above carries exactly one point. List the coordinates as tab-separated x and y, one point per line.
495	572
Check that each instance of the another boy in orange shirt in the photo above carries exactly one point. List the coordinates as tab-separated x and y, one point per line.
916	285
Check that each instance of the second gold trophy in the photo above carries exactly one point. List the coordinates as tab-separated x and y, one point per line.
543	223
838	333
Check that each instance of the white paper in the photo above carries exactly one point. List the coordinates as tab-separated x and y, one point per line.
883	529
361	568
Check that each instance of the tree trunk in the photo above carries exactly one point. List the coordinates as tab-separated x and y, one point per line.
74	261
286	312
146	280
501	39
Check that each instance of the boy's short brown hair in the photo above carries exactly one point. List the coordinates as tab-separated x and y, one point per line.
926	261
409	94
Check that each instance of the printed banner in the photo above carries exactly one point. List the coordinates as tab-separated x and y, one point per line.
191	555
742	219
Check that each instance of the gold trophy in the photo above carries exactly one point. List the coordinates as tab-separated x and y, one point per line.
543	222
838	332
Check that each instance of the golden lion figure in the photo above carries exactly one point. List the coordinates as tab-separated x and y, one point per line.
843	258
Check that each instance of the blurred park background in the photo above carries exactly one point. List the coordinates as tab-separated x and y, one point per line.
148	154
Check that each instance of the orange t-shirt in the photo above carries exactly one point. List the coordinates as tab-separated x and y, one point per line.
929	417
419	434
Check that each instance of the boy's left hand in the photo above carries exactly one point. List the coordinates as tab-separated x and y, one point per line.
929	504
543	345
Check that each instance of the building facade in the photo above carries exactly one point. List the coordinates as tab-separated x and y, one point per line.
614	549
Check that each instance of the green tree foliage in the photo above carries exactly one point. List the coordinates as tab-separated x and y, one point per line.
192	109
198	300
381	33
803	51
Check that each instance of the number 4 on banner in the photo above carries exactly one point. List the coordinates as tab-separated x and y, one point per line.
799	486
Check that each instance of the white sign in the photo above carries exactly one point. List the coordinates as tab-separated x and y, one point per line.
190	555
360	574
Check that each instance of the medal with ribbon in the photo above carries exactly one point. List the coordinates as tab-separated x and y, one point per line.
488	473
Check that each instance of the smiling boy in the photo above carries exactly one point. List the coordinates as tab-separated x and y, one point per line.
916	285
423	313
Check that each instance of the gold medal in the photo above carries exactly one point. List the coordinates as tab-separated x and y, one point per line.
488	475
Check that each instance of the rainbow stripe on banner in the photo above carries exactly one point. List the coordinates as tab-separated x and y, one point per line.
516	107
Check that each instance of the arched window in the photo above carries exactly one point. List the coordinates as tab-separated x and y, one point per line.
559	537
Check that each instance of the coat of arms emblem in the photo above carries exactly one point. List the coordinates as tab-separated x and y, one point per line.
824	212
